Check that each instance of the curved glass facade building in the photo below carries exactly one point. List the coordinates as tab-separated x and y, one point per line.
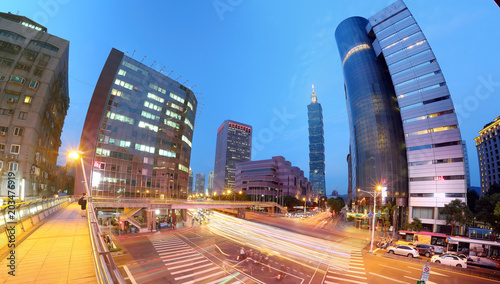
377	138
393	80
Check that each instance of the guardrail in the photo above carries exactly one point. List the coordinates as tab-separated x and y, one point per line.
27	214
104	264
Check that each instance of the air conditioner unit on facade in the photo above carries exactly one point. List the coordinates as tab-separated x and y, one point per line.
2	133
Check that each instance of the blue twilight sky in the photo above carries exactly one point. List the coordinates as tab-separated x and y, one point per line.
255	61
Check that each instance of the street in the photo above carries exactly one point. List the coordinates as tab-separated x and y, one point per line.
303	250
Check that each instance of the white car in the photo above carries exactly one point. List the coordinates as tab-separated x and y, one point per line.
450	259
403	250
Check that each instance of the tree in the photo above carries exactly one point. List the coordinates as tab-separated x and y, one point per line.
457	214
416	225
336	204
494	188
387	211
484	208
291	201
472	198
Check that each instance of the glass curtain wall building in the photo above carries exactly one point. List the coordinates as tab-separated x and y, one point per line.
316	145
137	134
234	145
435	159
200	184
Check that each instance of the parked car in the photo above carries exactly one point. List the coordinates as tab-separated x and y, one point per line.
450	259
403	250
425	249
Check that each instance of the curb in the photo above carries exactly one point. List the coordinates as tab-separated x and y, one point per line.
483	274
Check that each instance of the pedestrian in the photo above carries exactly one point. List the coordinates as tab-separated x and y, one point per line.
250	266
83	204
192	222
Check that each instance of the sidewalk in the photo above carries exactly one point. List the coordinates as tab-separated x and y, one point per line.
57	252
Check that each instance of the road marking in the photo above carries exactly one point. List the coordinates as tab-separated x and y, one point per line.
181	261
432	272
376	250
184	265
129	274
346	280
193	274
204	277
356	261
392	267
176	252
191	269
388	278
177	249
358	268
427	282
182	254
169	245
221	280
354	276
358	272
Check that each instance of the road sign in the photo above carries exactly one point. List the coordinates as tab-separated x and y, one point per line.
426	270
370	214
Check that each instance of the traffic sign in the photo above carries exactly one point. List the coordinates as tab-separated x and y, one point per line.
370	214
426	270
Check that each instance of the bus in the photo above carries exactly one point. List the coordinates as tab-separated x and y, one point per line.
438	240
481	252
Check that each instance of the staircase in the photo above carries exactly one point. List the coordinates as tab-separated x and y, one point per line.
128	215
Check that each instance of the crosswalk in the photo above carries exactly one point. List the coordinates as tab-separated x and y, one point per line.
347	269
187	265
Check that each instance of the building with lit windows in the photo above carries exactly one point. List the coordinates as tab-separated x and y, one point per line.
211	182
316	145
404	130
488	145
199	184
34	101
271	180
234	145
190	182
136	140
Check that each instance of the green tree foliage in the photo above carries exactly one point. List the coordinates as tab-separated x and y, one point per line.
457	214
291	201
416	225
472	198
336	204
485	206
387	212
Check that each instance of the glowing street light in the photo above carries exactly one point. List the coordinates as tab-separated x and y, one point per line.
75	155
305	204
374	194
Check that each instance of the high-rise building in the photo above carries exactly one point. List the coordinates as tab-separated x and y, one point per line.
200	183
137	134
488	145
190	182
394	85
211	182
234	145
466	164
273	179
316	145
34	101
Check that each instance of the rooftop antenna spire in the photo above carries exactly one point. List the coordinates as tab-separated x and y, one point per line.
152	64
143	58
314	98
133	54
162	69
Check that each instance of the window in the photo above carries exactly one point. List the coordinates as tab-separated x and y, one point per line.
177	98
18	131
23	67
44	45
34	85
3	130
155	97
15	149
124	84
2	147
30	55
28	99
122	72
423	212
13	166
38	72
12	35
1	165
17	80
23	115
6	62
44	60
9	47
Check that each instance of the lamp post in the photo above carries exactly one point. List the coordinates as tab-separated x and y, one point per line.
75	155
374	194
305	204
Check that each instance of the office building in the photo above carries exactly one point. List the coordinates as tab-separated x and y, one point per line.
316	145
234	145
273	179
466	164
211	182
34	101
136	140
200	184
398	102
487	145
190	182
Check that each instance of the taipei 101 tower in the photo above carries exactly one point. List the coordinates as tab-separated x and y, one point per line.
316	145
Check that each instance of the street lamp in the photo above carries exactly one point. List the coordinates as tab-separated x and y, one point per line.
75	155
305	204
376	191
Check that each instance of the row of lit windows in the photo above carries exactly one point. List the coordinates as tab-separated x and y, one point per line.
185	139
167	153
102	152
404	49
20	81
145	148
190	105
172	105
177	98
403	39
416	79
426	102
188	123
414	68
421	90
120	117
173	114
12	166
183	168
156	88
438	145
150	115
155	97
135	68
149	126
438	178
428	116
354	50
432	130
152	106
437	162
171	124
124	84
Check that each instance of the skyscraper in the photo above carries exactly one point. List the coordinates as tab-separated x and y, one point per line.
137	134
316	145
34	101
488	145
190	182
200	183
234	145
393	82
211	182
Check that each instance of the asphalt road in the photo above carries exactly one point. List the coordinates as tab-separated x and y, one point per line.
306	251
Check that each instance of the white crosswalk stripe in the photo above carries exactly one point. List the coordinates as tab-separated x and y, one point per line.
346	269
189	266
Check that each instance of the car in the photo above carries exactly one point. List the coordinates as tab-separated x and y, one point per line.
425	249
403	250
450	259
